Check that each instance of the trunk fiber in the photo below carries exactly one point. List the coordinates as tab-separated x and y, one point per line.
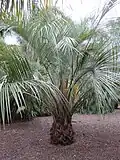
61	132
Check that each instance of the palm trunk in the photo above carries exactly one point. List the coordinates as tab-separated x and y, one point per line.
62	132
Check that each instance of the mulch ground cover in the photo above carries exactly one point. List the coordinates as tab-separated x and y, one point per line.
97	138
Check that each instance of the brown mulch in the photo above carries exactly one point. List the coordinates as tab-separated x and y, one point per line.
97	138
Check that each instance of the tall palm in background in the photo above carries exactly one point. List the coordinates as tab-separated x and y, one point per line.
16	6
75	63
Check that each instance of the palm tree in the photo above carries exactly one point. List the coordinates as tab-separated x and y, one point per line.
76	59
78	63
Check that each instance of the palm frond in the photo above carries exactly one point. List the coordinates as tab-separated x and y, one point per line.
17	82
98	75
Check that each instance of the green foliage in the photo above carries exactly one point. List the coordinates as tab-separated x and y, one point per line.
15	74
83	56
78	60
18	88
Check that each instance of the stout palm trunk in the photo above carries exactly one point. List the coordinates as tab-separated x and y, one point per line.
62	131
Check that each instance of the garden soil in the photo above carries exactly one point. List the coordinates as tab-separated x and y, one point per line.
97	138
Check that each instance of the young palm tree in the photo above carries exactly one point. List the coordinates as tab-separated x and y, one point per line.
78	62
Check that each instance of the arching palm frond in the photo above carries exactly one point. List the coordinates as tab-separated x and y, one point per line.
17	82
97	78
48	35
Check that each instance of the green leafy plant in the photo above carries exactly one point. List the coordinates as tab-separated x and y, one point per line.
75	65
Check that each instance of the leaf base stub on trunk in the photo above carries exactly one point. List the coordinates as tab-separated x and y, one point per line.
61	134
